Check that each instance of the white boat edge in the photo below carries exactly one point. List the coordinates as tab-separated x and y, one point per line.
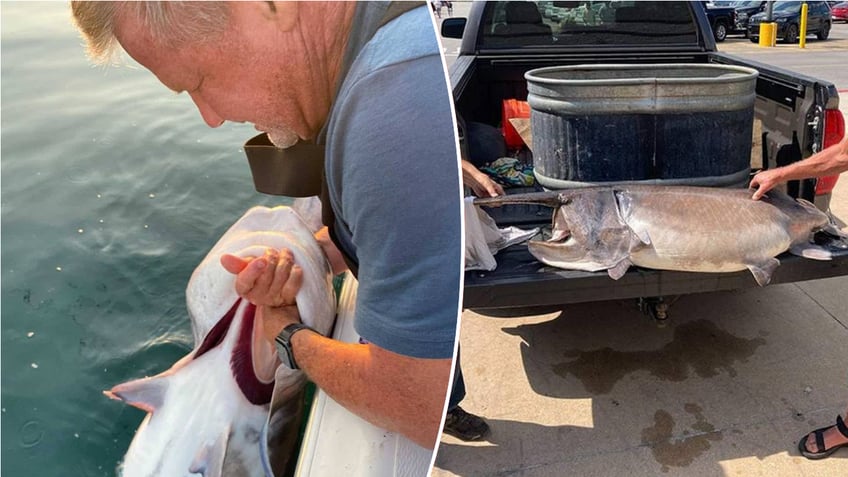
337	442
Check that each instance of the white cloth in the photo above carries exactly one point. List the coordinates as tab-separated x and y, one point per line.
483	238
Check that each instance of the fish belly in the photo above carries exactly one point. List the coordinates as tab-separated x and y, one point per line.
203	404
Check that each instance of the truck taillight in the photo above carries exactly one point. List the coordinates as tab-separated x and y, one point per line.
834	129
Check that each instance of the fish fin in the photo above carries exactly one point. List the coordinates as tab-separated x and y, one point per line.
762	271
833	230
643	235
807	204
619	269
285	418
811	251
624	211
209	461
146	394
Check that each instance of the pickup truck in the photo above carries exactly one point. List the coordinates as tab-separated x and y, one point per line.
722	19
794	116
745	9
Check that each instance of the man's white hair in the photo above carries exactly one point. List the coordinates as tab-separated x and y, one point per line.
170	23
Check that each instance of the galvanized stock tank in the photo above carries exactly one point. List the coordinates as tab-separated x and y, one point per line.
668	123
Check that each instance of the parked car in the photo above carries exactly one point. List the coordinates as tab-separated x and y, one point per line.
744	11
787	15
839	12
722	19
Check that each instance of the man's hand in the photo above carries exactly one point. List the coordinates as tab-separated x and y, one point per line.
479	182
484	186
765	181
831	161
270	282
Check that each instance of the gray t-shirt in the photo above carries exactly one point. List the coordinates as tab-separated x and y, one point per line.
394	184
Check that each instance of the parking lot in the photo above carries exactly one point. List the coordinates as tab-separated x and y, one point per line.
826	60
726	388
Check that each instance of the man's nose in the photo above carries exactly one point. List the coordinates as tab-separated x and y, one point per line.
209	115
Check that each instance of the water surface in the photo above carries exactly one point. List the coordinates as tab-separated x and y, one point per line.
113	189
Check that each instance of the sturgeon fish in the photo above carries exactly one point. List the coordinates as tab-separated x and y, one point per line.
226	408
697	229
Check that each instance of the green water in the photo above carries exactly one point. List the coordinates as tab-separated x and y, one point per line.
113	189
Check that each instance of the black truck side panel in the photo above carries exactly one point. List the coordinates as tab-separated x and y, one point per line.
521	281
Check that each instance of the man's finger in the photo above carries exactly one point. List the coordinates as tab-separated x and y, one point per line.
295	280
495	190
263	282
233	263
247	278
283	273
760	188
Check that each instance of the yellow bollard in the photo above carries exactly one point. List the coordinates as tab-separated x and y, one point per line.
803	33
768	34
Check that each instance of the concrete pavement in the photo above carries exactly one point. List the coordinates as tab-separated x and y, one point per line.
726	388
598	389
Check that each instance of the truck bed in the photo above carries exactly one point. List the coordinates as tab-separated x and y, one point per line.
788	112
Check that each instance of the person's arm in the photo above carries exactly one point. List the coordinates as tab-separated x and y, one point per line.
404	212
362	378
831	161
479	182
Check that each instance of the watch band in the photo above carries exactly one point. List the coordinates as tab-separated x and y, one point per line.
283	343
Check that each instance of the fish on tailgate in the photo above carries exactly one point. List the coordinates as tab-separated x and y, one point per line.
695	229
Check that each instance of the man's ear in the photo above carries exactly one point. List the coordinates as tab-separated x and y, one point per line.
284	13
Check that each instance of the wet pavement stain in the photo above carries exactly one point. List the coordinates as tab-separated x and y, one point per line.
670	451
699	346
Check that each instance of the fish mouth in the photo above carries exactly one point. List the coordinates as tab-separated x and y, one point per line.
252	360
560	245
560	236
562	248
560	230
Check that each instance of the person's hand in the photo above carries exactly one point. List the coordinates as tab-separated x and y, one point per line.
480	183
763	182
486	187
270	282
483	186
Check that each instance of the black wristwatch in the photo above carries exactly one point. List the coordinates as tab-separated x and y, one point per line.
283	342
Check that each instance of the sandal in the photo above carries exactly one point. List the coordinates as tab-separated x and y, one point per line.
819	434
